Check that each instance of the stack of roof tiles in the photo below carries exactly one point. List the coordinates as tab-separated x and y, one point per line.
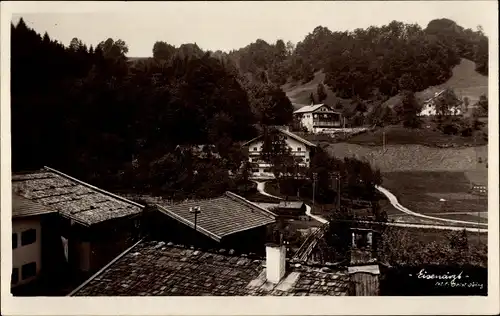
72	198
155	268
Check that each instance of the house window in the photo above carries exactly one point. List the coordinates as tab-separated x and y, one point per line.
28	237
307	159
29	270
299	148
15	276
14	241
255	149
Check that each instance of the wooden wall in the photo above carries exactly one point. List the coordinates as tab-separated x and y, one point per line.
365	284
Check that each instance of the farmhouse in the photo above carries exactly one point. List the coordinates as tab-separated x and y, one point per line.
300	148
228	221
317	118
93	225
429	105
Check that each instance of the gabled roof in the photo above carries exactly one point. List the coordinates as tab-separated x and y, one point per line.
152	268
312	108
22	207
72	198
437	94
288	133
221	216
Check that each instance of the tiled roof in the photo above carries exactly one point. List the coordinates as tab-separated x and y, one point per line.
221	216
22	207
298	138
72	198
288	133
159	269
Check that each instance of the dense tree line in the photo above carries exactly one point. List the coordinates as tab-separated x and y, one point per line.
115	122
369	62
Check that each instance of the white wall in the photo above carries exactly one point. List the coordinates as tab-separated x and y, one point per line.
29	253
292	144
306	119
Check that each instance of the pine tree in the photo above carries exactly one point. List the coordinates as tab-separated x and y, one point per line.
311	98
321	92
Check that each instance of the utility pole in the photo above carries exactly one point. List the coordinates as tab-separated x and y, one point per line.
383	141
315	177
195	210
336	176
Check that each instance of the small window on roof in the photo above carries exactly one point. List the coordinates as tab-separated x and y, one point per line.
299	148
255	149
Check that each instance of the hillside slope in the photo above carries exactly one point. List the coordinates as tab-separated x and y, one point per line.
465	81
299	93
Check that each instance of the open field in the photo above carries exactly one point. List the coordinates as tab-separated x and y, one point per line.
398	135
421	192
414	157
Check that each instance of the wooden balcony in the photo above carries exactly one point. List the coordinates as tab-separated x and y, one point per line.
322	123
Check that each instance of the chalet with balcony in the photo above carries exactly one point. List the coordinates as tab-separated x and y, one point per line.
300	148
318	118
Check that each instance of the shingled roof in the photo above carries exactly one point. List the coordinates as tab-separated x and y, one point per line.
312	108
158	269
22	207
72	198
221	216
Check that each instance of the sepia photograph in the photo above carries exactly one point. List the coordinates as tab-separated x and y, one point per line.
251	150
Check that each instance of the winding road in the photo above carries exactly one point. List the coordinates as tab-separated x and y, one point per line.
394	201
261	185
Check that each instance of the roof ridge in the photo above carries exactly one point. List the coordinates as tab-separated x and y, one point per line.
187	222
238	197
93	187
297	137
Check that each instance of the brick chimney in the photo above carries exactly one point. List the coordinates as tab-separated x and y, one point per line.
275	262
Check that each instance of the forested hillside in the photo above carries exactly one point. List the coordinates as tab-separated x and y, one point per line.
115	121
95	114
369	63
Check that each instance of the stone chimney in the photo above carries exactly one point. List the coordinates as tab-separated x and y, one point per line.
275	262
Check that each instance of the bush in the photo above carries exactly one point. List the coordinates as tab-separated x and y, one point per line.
399	246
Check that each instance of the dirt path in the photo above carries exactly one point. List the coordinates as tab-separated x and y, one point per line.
261	187
394	201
